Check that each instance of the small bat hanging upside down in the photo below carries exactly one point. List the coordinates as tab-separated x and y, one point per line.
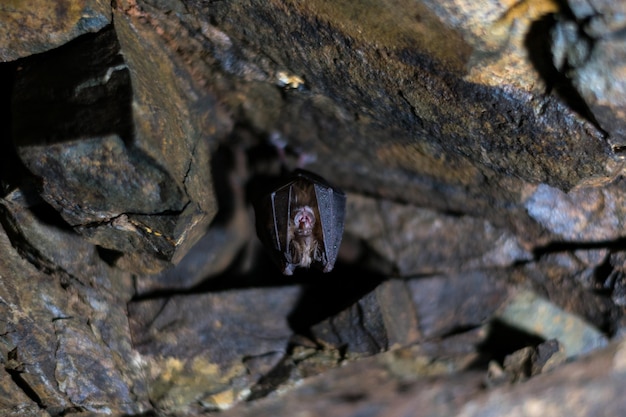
301	222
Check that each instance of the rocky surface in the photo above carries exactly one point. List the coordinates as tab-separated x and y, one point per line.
480	146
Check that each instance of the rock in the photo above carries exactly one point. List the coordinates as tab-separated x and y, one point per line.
430	134
589	52
585	214
411	239
479	146
532	314
470	297
572	390
210	363
125	186
373	386
525	363
39	26
65	329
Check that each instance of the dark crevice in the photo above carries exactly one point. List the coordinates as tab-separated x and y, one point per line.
501	341
603	274
560	246
540	54
418	121
65	411
222	164
109	256
129	215
47	215
30	252
231	279
323	297
618	150
458	330
16	377
149	413
12	171
50	101
269	382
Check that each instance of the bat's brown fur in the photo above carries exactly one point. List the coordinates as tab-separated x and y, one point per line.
304	245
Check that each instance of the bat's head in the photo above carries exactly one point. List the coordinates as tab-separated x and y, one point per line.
303	246
304	221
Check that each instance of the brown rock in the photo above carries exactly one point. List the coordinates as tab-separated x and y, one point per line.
65	329
479	163
37	26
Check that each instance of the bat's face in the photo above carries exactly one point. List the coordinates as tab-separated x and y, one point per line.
301	222
303	242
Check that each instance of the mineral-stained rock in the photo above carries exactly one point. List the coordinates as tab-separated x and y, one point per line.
398	100
394	383
588	47
65	339
360	329
141	190
321	97
471	297
585	214
575	287
484	182
411	239
399	312
535	315
572	390
415	115
31	27
208	350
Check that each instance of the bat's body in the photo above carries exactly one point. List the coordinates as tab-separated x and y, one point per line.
301	222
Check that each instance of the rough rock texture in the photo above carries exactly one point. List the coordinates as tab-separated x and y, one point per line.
30	27
482	269
395	387
129	183
65	342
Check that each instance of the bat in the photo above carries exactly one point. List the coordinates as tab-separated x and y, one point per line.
300	223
